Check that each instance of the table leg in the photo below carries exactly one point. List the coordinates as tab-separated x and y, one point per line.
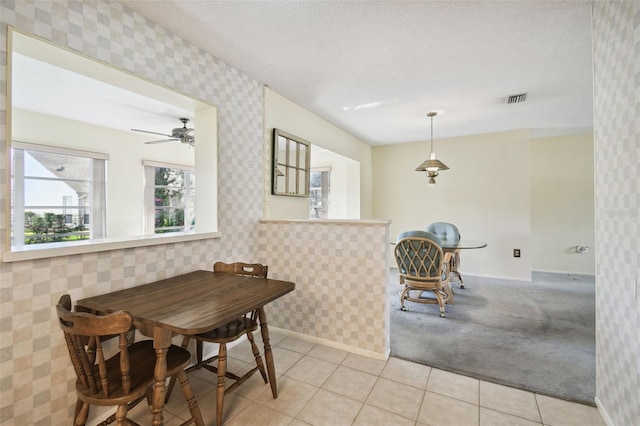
268	355
222	368
161	343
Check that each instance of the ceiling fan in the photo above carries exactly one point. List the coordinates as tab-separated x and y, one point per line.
181	134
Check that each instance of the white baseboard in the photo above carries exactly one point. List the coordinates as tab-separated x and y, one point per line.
332	344
394	269
495	277
317	340
563	272
603	413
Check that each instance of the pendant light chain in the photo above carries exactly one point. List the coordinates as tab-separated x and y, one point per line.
431	166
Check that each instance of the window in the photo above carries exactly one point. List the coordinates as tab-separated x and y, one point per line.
44	86
319	187
169	198
55	193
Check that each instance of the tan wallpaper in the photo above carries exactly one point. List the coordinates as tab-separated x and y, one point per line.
616	34
36	381
36	385
341	276
36	377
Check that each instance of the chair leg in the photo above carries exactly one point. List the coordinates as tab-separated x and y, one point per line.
402	296
222	368
172	381
149	397
196	415
440	298
256	354
457	274
449	291
82	413
121	415
199	351
112	418
79	405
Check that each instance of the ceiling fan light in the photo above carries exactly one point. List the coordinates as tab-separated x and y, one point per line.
181	134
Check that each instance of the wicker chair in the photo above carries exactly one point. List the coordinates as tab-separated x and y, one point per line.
449	232
423	266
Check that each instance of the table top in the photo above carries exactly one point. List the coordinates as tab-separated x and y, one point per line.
462	244
191	303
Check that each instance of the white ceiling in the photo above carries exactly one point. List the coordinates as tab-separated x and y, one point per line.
44	88
375	68
54	81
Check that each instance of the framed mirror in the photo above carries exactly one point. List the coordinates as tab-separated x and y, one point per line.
291	165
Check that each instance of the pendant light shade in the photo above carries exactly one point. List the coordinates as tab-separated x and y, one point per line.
431	166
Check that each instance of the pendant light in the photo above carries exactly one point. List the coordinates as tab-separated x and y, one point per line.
431	166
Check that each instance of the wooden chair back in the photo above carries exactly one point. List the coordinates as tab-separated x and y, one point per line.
85	334
229	332
256	270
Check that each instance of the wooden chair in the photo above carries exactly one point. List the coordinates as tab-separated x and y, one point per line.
123	379
227	333
423	266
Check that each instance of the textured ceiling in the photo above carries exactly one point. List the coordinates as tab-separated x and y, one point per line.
375	68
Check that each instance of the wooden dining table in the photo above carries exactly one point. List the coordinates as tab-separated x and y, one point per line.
189	304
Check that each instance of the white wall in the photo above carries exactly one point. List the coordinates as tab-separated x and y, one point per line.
562	204
206	163
283	114
344	185
125	201
486	193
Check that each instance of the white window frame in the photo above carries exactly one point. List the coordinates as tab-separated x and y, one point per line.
149	195
325	190
97	191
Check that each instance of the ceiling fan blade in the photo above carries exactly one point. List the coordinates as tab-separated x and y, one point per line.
163	140
153	133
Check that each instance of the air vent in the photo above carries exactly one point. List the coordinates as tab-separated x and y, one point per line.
516	99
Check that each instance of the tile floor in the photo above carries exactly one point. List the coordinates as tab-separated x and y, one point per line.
318	385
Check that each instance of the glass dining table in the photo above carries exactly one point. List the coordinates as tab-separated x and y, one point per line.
454	248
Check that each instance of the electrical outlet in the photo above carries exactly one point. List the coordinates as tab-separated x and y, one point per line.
516	252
